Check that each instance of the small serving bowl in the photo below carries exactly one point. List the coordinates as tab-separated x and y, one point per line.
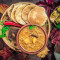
22	49
50	16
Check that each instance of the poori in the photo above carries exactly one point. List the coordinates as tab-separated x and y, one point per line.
9	10
18	14
13	12
37	16
26	11
15	8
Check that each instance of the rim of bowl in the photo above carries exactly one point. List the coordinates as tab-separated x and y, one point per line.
17	39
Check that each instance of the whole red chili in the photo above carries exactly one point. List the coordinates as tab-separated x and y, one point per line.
12	24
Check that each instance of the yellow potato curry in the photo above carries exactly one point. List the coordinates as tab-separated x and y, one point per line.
32	40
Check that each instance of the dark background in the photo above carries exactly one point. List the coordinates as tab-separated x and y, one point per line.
9	2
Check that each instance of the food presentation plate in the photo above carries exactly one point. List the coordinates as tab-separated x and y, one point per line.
12	44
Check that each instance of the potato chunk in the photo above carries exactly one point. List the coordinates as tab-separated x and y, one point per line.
27	41
34	40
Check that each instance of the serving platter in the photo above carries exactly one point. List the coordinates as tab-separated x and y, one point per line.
12	44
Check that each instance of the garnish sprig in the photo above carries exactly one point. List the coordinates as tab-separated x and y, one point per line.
32	27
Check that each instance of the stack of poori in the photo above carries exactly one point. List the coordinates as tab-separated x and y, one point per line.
26	12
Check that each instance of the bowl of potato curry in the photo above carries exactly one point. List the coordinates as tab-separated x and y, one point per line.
31	38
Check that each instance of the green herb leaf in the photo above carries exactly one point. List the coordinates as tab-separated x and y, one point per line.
3	30
34	26
30	27
58	26
10	40
1	36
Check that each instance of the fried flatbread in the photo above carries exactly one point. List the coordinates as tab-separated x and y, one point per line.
9	10
18	14
37	16
26	11
15	8
13	12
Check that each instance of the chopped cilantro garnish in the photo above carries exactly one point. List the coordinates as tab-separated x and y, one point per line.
3	30
32	27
